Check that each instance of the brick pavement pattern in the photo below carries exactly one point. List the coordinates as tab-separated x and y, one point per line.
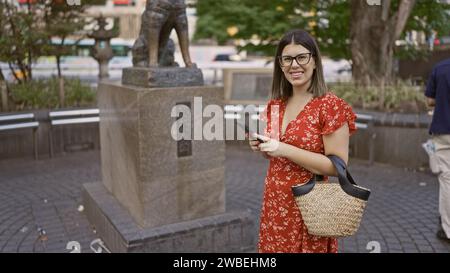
40	203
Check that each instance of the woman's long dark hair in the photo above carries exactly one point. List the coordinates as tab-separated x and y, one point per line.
281	87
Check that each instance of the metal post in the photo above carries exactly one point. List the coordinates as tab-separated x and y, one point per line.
50	141
215	76
35	142
371	147
372	136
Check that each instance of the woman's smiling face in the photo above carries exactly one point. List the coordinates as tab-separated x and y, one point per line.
302	66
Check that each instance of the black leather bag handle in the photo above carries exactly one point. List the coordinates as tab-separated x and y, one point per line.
346	181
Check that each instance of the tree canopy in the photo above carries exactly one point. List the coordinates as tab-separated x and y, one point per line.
259	24
27	32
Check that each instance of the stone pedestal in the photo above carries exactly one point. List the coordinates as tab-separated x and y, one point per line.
141	165
162	76
152	182
226	232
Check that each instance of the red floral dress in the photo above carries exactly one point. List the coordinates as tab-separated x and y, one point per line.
282	228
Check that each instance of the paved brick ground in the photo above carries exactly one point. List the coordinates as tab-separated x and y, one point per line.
402	215
45	194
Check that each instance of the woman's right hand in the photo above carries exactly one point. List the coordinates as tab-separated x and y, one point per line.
254	145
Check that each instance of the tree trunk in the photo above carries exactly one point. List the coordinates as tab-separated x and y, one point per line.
2	77
58	65
61	92
29	75
61	82
373	32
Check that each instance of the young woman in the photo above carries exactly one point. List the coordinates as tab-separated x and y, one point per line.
305	122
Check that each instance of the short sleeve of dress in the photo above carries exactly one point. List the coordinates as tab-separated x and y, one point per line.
334	113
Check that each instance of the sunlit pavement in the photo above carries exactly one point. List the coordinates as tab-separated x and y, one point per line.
41	210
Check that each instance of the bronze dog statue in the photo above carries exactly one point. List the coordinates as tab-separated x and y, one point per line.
153	47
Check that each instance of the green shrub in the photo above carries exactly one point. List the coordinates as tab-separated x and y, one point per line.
401	97
36	94
44	94
78	94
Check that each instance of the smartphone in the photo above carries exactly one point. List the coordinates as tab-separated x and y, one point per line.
247	131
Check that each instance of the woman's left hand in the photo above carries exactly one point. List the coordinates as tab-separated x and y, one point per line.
272	147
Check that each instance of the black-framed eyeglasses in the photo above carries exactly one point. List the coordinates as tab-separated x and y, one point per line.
301	59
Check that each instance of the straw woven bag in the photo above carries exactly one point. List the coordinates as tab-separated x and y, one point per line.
332	209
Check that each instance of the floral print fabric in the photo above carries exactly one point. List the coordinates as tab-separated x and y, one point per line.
282	228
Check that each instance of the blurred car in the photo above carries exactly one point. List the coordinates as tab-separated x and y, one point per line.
227	58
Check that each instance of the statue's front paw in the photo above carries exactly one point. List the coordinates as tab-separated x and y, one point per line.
191	65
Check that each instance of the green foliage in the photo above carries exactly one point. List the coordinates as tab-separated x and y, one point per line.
62	21
26	31
43	94
270	19
427	17
78	94
22	36
34	94
411	52
259	23
333	28
401	97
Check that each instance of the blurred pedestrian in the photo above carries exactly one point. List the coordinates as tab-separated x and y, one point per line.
438	96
